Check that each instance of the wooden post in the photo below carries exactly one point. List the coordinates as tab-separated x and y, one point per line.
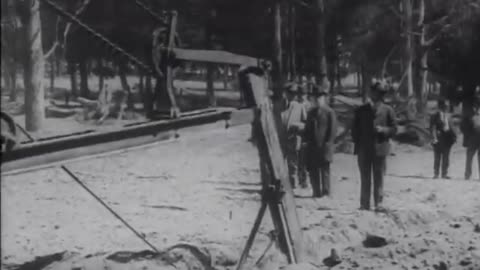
276	186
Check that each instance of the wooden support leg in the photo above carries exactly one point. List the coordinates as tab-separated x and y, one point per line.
251	237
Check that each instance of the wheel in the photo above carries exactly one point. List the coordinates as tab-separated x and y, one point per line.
8	133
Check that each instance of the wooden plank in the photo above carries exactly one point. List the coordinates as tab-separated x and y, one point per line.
274	171
214	56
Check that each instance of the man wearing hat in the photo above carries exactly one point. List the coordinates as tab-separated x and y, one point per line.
293	120
471	129
373	125
305	99
320	132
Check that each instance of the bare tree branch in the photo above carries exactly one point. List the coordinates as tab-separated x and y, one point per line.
387	58
56	43
77	13
52	50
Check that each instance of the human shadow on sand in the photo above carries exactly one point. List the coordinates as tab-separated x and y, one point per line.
425	177
168	207
232	183
410	176
243	190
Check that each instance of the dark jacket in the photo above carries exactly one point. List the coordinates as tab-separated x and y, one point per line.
437	124
364	135
320	132
471	135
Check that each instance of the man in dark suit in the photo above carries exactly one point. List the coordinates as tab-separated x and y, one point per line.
320	132
471	129
443	138
373	126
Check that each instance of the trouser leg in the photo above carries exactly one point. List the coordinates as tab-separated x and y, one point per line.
469	161
302	167
445	160
325	178
378	179
315	181
365	166
478	161
436	159
292	160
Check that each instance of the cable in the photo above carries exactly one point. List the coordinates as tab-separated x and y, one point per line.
74	177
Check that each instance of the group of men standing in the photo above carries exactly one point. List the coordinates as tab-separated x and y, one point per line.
311	127
444	135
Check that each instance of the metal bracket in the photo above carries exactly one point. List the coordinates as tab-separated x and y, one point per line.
273	193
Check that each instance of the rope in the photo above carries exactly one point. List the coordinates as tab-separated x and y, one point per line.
98	36
160	18
74	177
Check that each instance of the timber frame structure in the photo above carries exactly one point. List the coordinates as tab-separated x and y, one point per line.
165	52
277	194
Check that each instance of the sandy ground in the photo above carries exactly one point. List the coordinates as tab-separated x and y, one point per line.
203	190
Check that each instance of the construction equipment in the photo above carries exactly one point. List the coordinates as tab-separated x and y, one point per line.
164	53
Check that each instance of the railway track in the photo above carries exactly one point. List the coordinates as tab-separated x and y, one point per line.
57	150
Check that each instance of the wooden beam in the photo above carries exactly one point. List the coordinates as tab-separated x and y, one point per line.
274	172
215	56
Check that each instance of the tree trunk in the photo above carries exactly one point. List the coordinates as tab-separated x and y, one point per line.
84	90
141	84
339	75
101	74
58	66
293	52
321	60
12	81
212	102
125	86
72	70
34	69
365	83
277	68
409	48
148	97
52	75
423	68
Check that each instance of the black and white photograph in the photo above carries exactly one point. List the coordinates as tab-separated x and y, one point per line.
240	135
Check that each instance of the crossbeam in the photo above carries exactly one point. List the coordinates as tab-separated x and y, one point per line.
215	56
